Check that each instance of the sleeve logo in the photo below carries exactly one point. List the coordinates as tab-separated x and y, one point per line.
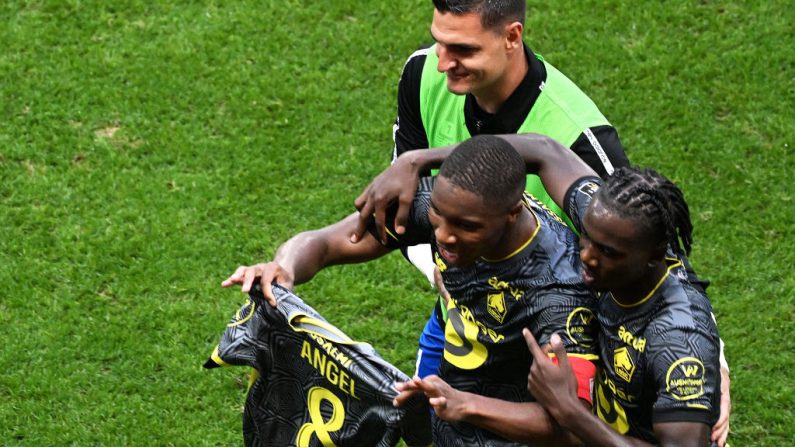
579	326
685	379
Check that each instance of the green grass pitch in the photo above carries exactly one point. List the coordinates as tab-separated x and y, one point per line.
148	148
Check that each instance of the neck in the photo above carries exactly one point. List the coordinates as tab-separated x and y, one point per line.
494	96
641	290
515	238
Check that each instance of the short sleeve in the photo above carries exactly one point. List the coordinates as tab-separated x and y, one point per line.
578	197
569	311
685	367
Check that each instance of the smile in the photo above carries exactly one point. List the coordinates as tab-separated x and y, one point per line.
448	255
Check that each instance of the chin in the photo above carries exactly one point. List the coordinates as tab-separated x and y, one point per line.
458	88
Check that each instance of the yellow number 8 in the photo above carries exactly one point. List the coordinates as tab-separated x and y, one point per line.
318	426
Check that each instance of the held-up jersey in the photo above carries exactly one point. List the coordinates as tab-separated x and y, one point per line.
316	386
538	287
659	356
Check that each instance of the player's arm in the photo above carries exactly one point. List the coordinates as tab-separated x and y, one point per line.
525	422
552	386
601	149
557	166
302	256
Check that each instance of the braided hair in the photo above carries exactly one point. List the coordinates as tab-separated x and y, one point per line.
489	167
652	200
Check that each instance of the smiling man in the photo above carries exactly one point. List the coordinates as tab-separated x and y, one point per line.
480	78
507	263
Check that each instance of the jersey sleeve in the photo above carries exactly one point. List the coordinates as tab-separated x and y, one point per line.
418	227
601	149
578	197
569	311
684	364
408	132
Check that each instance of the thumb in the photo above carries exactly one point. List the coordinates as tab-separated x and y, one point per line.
560	351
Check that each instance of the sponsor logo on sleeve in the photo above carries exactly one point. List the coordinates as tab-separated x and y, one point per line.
685	379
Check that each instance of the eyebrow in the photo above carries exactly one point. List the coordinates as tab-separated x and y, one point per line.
455	46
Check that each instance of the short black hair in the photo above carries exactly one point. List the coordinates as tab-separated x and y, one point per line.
490	168
493	13
656	203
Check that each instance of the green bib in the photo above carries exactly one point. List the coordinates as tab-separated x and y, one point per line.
562	111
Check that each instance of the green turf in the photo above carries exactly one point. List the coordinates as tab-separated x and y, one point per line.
148	148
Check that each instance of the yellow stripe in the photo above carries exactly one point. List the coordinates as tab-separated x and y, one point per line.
305	319
217	359
702	407
647	297
515	252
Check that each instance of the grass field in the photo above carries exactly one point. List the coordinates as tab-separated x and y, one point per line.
148	148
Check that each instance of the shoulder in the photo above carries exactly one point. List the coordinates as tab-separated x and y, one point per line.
412	68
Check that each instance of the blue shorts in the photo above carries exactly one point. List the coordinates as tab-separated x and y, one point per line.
429	354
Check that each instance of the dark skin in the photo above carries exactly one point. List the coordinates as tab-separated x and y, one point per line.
616	256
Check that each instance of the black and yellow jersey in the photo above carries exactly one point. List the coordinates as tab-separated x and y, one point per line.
659	359
538	287
659	356
316	386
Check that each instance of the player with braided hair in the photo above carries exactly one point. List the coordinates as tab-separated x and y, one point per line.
659	380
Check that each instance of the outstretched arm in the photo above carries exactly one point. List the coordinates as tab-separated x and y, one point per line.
300	258
557	166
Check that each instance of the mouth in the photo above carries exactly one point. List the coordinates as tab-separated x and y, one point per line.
457	76
588	276
450	256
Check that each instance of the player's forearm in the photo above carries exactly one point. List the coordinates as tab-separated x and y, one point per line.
525	422
311	251
583	424
303	255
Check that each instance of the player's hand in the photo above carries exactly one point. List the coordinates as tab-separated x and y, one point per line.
437	279
720	431
447	402
268	273
397	183
406	390
553	386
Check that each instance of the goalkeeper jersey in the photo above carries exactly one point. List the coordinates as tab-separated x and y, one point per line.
316	386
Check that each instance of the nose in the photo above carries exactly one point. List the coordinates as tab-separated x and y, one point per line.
446	61
443	234
587	255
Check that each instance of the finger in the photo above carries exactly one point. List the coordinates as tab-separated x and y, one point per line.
438	403
535	350
360	201
234	278
402	216
248	279
266	282
379	214
560	351
437	279
365	214
403	397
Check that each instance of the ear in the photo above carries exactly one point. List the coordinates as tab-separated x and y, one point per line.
513	36
515	212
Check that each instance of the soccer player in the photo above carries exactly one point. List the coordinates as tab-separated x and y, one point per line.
507	263
480	78
660	380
